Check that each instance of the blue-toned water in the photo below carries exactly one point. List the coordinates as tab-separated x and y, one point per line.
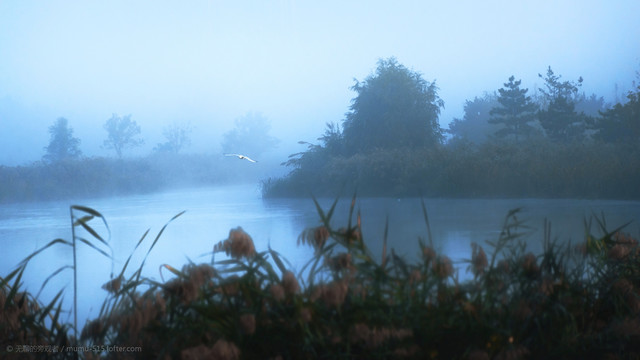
212	212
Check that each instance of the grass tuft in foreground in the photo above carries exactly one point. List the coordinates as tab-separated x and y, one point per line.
567	302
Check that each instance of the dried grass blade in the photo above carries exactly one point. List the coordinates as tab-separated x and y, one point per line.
170	268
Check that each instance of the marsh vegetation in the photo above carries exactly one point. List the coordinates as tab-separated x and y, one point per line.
567	301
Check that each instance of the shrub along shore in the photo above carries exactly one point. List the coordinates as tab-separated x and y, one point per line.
456	170
100	177
568	302
533	169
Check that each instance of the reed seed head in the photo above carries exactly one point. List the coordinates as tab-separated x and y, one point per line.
277	292
238	245
443	267
290	283
224	350
114	285
478	259
248	324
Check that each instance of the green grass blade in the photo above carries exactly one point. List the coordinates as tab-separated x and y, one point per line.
4	281
319	209
426	221
14	288
91	212
124	268
161	232
51	243
51	276
55	317
53	302
93	233
351	208
384	243
84	219
88	243
87	210
153	244
398	262
277	260
331	210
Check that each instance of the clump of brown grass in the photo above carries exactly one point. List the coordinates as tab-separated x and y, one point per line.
561	303
238	245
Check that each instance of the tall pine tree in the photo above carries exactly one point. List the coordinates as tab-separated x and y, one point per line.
560	120
621	124
515	112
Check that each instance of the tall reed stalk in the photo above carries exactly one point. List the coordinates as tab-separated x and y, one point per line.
75	276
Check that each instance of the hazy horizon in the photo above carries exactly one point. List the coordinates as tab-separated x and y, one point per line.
208	63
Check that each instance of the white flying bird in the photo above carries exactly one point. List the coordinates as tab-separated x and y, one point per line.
239	156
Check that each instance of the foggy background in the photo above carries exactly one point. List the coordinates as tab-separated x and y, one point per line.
209	62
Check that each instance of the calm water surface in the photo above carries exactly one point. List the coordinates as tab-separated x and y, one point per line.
212	212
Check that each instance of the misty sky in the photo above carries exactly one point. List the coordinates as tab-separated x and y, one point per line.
209	62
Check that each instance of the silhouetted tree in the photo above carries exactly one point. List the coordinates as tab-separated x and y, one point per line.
474	125
178	138
318	155
515	111
591	105
332	139
122	133
394	107
62	144
621	124
250	136
559	119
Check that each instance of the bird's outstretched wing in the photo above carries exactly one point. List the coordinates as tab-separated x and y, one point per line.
240	156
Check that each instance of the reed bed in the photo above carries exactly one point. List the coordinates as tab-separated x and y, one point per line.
569	302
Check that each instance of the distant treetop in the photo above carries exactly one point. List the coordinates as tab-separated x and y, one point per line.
394	107
62	144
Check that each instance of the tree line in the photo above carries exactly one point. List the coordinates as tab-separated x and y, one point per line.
251	132
65	172
558	143
122	133
560	113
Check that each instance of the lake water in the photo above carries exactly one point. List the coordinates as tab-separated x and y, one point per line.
212	212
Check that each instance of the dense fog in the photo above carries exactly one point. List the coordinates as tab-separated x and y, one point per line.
209	64
336	179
